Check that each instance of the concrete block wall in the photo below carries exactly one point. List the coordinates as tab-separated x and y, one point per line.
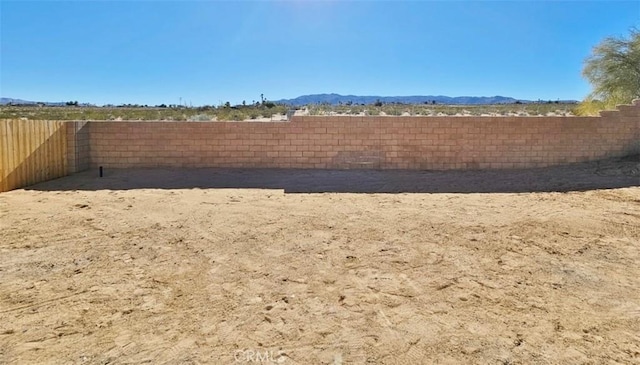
430	143
34	151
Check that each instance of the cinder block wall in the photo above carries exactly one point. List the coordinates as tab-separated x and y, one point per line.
365	142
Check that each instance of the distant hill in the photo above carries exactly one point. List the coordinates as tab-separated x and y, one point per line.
6	101
335	99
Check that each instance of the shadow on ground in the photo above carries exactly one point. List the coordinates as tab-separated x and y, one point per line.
604	174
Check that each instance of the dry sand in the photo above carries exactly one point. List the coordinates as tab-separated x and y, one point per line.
323	267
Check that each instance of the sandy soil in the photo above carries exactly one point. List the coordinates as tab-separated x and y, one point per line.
216	266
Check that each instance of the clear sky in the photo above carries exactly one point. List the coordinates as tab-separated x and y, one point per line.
210	52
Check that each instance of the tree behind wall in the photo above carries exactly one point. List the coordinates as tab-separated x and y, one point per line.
613	69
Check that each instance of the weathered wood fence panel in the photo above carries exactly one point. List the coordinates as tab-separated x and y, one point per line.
31	151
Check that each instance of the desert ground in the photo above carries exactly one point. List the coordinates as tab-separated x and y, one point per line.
214	266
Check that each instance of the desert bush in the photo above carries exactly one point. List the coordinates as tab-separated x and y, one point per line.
200	118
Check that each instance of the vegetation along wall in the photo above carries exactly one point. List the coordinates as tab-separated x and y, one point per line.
33	151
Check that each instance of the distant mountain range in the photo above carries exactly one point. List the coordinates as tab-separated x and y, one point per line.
5	101
335	99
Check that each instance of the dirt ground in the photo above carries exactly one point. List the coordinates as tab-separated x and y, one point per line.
324	267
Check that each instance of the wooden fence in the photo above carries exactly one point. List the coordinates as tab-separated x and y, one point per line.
31	152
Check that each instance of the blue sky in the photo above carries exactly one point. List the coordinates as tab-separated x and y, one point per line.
210	52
